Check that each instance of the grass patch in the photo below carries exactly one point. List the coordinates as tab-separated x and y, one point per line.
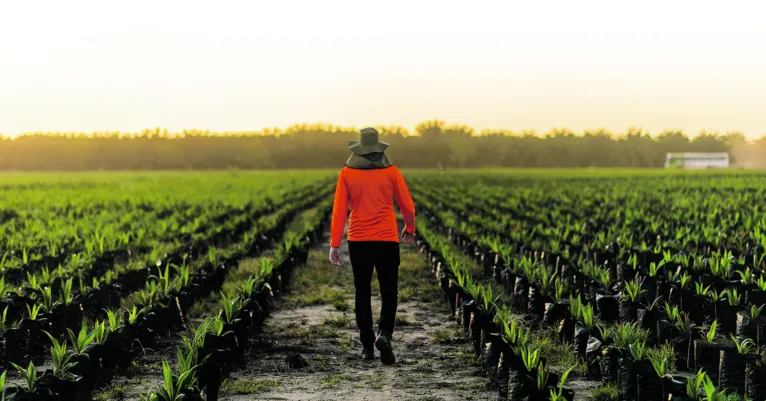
374	381
324	295
339	320
334	380
424	366
114	392
443	336
250	386
406	294
604	392
666	351
415	280
346	343
559	357
402	320
323	331
318	272
302	331
471	386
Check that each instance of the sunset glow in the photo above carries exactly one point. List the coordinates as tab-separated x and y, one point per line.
226	65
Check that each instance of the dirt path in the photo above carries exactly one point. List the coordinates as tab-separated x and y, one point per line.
316	321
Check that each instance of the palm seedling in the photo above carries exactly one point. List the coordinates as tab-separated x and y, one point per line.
755	311
246	289
266	266
710	335
746	277
32	281
29	375
744	347
82	340
575	306
165	284
541	378
134	314
45	276
629	333
717	296
654	268
114	320
604	331
660	365
546	278
638	350
734	298
695	384
4	320
62	358
560	289
557	393
671	312
530	358
711	394
184	273
701	290
231	307
588	316
147	397
172	387
632	291
101	332
33	311
216	326
65	296
47	298
488	298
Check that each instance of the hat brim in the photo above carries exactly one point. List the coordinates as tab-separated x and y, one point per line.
360	149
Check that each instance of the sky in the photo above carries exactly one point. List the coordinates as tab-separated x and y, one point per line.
517	65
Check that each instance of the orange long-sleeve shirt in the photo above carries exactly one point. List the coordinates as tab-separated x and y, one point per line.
370	195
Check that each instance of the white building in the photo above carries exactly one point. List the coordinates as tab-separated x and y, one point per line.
697	160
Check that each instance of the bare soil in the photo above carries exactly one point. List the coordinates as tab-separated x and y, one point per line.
431	363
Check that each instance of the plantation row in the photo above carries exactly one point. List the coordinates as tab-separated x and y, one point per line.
86	321
656	282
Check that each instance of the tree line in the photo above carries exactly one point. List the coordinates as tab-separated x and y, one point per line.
433	144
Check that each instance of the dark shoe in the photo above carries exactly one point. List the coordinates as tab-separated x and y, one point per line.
368	354
383	344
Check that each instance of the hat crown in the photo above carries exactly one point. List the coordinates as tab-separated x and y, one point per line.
368	136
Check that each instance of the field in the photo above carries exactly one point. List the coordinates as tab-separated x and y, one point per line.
522	285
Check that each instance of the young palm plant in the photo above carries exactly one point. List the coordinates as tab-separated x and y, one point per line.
695	384
710	335
82	340
62	358
633	290
744	347
29	375
557	393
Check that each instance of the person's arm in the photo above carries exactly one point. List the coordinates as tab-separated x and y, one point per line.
339	211
404	200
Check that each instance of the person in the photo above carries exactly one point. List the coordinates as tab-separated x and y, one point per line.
368	185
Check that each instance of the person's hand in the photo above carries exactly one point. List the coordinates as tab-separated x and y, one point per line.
407	237
335	256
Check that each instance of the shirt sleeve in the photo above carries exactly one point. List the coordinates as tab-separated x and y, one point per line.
339	211
404	200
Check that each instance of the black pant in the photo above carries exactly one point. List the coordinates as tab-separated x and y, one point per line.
384	257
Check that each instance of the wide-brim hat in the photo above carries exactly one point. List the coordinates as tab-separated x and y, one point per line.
369	142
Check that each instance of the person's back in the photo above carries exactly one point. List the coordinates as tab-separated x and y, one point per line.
369	184
370	194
